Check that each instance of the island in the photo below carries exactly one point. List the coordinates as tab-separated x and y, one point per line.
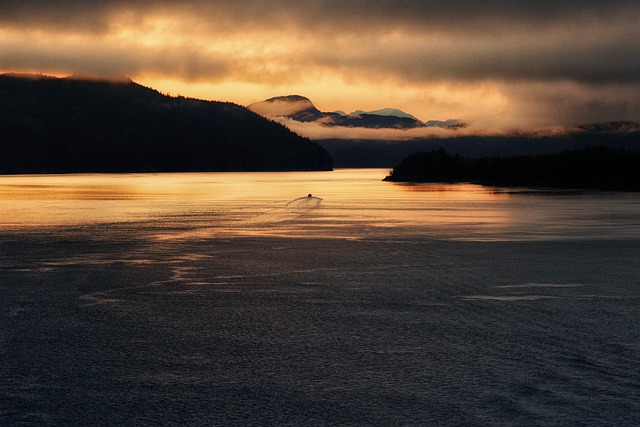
72	125
597	167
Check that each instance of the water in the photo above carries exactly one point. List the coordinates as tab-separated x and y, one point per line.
349	203
232	299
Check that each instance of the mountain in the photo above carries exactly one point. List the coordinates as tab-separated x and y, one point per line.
450	124
60	125
393	112
295	107
301	109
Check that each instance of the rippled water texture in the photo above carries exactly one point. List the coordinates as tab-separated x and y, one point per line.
345	204
236	299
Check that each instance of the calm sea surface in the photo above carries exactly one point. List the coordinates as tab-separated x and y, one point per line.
235	299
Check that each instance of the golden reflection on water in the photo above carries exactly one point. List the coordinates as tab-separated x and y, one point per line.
348	203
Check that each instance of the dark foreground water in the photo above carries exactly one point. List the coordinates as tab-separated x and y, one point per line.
378	305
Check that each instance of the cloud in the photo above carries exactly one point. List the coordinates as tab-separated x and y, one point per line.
571	103
415	40
316	130
572	59
318	14
75	55
524	57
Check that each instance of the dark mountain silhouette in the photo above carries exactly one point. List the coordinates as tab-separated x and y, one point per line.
622	127
592	167
301	109
61	125
295	107
448	124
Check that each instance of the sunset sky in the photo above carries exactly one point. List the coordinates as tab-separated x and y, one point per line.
499	65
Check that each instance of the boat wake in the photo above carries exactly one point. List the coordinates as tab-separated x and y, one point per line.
305	202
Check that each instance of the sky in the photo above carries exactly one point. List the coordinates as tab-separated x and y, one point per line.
499	65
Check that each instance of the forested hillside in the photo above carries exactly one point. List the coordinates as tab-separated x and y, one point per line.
54	125
592	167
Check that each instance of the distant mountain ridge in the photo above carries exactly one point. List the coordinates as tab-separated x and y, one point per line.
63	125
393	112
301	109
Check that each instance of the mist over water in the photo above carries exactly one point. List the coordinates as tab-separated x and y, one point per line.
236	299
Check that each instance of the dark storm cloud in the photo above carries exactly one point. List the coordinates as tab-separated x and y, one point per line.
385	13
588	41
592	61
